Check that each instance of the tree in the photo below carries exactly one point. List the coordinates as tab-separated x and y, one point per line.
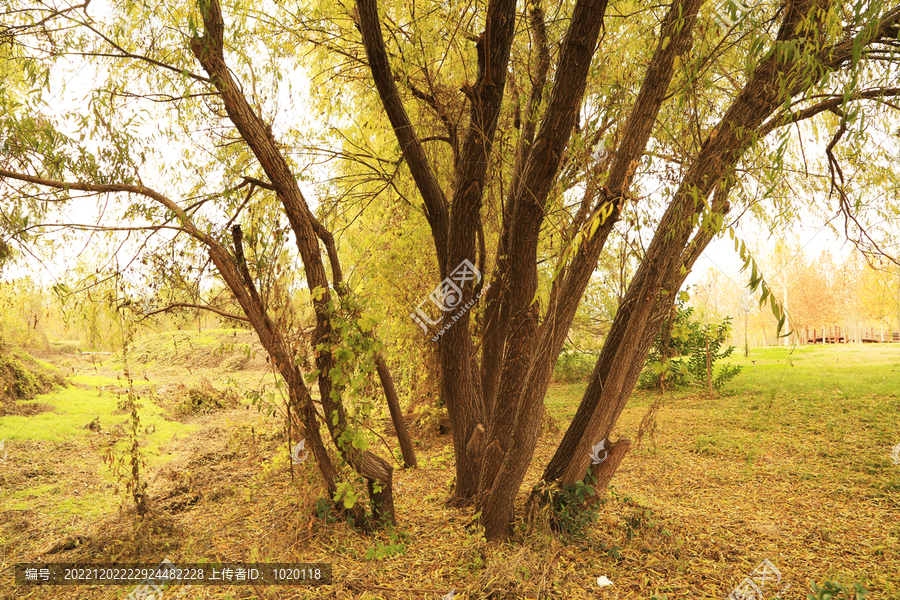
545	192
338	320
496	418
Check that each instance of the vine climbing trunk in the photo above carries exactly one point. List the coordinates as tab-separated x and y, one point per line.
209	51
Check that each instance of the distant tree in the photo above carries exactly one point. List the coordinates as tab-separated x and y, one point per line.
879	292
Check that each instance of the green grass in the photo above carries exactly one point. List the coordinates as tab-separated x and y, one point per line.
76	407
837	406
831	370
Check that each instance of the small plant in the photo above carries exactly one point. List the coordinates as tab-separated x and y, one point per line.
396	545
323	511
831	590
205	398
639	519
570	514
685	352
131	458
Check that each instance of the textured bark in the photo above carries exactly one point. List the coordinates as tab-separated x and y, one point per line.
534	379
496	309
393	402
495	407
454	231
208	49
514	425
604	473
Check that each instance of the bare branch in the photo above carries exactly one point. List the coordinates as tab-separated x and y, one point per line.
213	309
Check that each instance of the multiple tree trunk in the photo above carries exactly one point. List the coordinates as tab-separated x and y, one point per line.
494	390
495	399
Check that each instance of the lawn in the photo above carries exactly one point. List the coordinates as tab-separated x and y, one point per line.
791	463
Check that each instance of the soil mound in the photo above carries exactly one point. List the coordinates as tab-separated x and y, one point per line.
22	377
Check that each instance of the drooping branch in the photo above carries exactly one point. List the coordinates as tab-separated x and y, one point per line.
173	305
186	224
832	103
255	312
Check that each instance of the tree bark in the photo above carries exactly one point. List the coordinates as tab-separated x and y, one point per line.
209	51
455	230
393	402
515	423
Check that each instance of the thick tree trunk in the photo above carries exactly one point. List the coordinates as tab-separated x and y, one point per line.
514	425
529	360
496	311
498	410
454	231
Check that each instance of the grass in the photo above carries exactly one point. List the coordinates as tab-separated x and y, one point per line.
817	371
74	408
798	444
790	463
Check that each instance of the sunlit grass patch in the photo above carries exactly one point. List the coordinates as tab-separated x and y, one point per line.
74	408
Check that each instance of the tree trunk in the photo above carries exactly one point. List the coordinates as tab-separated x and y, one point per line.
670	257
209	51
393	402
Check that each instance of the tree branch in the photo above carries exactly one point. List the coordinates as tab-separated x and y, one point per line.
435	202
200	307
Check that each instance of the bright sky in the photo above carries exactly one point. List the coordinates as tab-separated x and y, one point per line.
70	86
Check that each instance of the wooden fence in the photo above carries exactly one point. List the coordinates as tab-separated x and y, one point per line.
840	335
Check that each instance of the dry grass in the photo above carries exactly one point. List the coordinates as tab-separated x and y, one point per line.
724	484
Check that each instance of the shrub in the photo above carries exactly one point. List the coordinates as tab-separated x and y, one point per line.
678	356
574	365
205	398
831	590
22	377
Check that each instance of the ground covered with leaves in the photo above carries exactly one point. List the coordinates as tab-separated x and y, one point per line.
792	465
